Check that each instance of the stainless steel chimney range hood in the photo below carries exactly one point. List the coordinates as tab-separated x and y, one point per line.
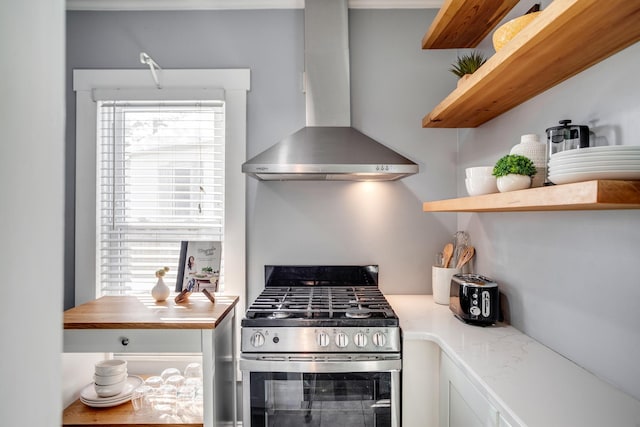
329	153
328	148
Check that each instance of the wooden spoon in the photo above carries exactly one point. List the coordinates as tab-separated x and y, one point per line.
447	253
467	254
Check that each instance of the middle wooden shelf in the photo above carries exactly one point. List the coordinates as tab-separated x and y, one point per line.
589	195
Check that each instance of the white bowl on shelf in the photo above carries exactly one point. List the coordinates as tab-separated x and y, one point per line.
111	367
109	379
513	182
478	171
480	185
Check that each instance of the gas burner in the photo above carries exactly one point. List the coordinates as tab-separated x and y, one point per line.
358	313
279	315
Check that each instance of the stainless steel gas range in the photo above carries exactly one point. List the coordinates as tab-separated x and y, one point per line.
321	347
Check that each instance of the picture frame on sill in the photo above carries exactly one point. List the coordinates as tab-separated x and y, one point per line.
199	266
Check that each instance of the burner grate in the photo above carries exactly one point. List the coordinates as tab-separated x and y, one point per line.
321	302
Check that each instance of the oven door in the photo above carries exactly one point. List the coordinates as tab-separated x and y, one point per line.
320	391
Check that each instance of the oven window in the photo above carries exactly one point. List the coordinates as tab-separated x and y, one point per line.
320	399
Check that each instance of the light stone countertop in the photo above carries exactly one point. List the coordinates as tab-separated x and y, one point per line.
533	384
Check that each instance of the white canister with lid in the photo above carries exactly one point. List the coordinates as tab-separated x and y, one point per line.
531	147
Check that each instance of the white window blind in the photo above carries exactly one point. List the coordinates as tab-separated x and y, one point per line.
160	180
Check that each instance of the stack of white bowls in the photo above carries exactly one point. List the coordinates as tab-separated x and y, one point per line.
110	377
479	180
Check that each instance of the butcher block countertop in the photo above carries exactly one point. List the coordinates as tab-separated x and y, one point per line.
143	312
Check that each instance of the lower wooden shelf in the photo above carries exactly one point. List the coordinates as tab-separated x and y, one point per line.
589	195
78	414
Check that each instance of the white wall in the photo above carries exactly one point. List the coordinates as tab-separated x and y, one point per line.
570	277
31	210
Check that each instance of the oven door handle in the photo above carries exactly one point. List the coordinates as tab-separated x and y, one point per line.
324	366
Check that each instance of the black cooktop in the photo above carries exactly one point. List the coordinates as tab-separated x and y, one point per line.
346	296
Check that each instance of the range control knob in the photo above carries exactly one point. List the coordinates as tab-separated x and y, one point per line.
322	339
257	339
342	339
360	339
379	339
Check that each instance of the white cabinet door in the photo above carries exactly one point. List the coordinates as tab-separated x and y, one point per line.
420	359
461	404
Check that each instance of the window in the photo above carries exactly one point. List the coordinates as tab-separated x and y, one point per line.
156	199
160	181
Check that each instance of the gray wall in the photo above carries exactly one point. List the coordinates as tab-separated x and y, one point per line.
571	278
270	43
324	222
382	223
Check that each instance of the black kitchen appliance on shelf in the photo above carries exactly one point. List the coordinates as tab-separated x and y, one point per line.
475	299
565	137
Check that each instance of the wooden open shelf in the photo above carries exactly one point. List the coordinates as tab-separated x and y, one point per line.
589	195
568	37
79	415
465	23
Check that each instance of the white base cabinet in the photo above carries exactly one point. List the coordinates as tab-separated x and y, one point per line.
461	404
420	360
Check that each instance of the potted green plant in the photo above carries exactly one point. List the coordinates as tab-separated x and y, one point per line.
513	172
467	64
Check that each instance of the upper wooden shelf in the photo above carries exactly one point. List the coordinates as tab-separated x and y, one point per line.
589	195
465	23
568	37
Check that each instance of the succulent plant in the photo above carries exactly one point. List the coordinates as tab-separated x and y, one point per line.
468	64
514	164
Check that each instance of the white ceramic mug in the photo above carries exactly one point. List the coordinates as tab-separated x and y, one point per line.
441	283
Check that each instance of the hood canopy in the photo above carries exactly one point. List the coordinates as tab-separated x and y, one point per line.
329	153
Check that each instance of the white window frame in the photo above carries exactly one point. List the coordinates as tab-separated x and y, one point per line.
232	85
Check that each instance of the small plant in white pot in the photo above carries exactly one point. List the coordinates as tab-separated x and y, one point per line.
514	172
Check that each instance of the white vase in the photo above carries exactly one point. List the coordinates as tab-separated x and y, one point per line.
531	147
513	182
160	291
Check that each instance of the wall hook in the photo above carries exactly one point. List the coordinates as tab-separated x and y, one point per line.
146	59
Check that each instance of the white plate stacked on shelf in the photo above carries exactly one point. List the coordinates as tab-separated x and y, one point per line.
89	397
585	164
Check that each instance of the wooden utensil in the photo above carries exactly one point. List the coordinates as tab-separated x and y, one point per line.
467	254
447	253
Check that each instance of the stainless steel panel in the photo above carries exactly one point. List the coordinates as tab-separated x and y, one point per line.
306	339
336	366
326	151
